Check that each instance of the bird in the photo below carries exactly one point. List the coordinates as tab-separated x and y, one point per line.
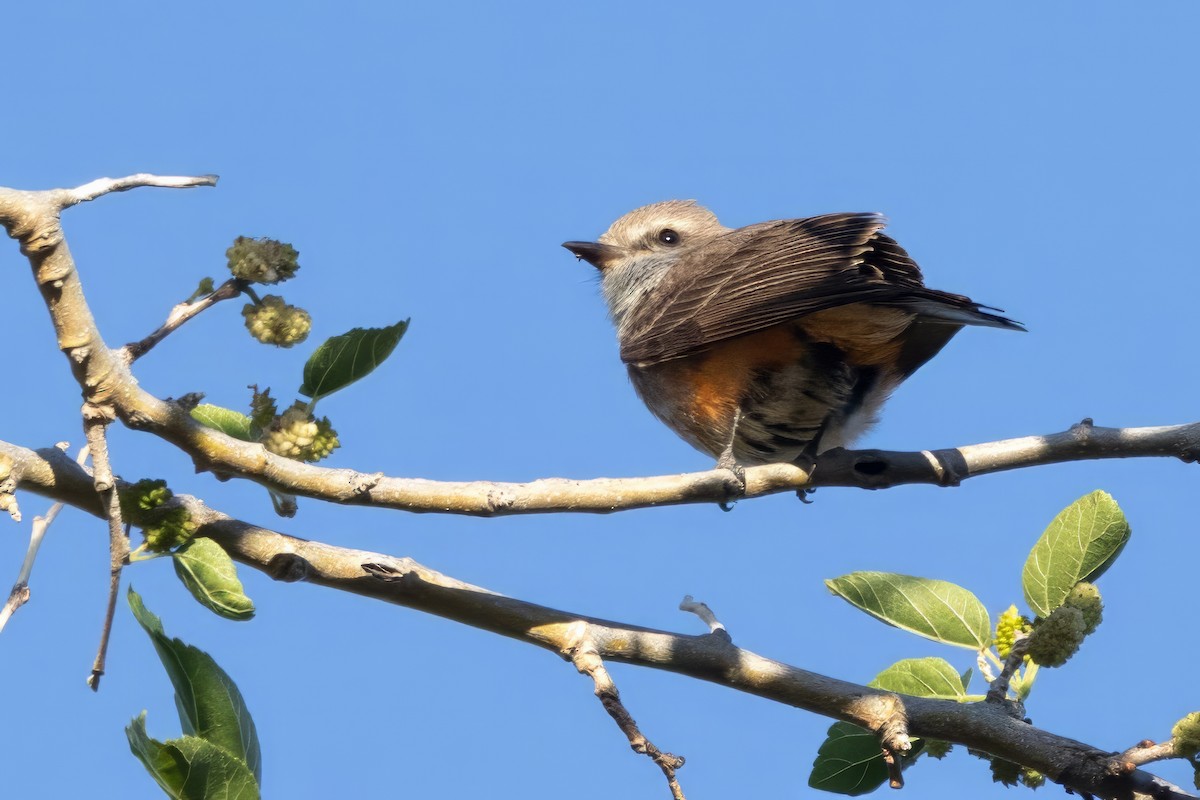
774	342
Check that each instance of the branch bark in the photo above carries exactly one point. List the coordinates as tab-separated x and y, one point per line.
990	727
103	374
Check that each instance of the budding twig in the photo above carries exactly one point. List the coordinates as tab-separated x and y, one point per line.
181	314
998	691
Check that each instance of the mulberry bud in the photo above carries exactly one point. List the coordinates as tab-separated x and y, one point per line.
1086	597
1007	626
1057	637
275	322
138	500
1186	734
296	434
1032	778
169	529
262	260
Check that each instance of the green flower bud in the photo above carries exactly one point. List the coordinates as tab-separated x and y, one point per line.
1186	734
1086	597
298	435
1007	626
1032	778
275	322
143	504
1057	637
1005	772
138	500
262	260
169	529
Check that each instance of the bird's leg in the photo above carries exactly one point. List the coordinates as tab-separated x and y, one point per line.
807	459
736	487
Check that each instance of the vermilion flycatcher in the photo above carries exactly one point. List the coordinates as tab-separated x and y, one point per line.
765	343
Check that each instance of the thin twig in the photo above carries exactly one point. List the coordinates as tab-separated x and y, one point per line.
582	652
103	186
998	691
181	314
19	595
705	614
95	422
1145	752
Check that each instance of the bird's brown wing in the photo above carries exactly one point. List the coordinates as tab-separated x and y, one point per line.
755	277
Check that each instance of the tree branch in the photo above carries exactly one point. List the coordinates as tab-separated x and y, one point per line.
990	727
19	595
581	651
103	186
180	314
95	421
103	374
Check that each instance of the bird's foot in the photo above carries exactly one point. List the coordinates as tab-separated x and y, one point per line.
735	483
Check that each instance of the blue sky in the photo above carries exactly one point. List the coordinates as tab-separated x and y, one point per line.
427	160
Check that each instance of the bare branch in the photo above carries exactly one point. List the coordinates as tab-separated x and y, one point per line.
581	651
103	186
95	420
867	469
1146	751
181	314
705	614
19	595
990	727
32	217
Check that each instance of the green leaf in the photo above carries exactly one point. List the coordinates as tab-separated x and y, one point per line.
229	422
922	677
210	704
342	360
850	761
210	575
1080	544
190	768
158	760
934	609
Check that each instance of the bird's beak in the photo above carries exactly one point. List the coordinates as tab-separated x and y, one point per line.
597	254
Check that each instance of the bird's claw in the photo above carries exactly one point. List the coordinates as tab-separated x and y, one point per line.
735	484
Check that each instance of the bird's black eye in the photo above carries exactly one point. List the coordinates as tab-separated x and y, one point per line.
668	237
